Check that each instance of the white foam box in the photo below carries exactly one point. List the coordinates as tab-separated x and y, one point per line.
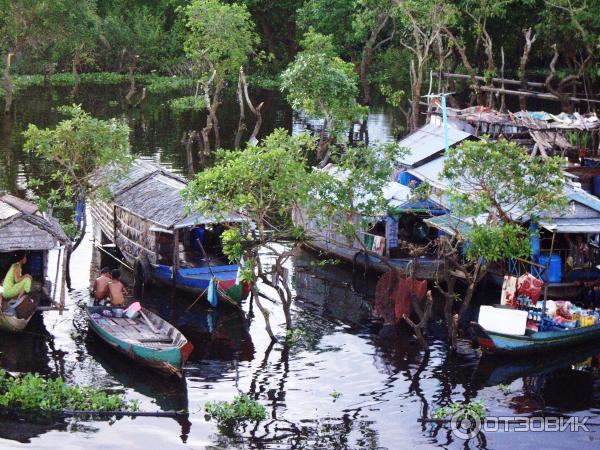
503	320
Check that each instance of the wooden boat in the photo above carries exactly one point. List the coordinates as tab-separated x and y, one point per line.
165	350
533	342
146	220
12	323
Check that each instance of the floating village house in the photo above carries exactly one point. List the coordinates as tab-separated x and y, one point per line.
24	228
147	221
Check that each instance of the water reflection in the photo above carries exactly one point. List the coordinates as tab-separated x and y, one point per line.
388	387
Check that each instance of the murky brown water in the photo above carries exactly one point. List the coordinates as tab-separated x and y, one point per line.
387	385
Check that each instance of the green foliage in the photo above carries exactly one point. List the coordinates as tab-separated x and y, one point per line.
505	388
72	152
220	34
335	395
230	415
232	244
461	411
499	183
32	392
185	104
293	336
263	183
322	84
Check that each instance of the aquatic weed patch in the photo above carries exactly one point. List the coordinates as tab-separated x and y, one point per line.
230	415
32	392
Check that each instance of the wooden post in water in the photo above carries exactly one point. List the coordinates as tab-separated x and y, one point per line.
63	283
548	275
175	255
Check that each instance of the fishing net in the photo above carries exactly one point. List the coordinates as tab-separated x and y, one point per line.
393	296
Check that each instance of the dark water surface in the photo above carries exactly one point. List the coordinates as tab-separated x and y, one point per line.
387	386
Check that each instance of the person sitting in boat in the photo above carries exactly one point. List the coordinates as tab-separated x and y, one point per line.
16	284
100	288
116	289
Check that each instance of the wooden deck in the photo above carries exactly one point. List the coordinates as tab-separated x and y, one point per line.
137	331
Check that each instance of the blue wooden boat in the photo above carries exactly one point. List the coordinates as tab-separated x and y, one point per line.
165	350
196	280
532	342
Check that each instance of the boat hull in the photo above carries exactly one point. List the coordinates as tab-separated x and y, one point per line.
12	324
197	280
169	361
420	268
497	343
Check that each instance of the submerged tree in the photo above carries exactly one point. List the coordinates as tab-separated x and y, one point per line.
493	188
269	182
72	152
322	84
221	38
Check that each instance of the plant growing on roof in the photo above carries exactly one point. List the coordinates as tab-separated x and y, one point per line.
500	185
71	153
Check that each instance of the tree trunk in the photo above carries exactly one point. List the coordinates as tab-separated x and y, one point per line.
132	87
529	40
8	84
264	312
257	111
242	121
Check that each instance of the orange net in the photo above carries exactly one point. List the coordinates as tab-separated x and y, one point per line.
393	296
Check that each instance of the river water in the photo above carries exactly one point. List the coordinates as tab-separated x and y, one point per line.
388	388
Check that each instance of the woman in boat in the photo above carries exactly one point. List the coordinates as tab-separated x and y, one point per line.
15	283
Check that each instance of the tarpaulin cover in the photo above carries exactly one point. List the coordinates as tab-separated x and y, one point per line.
393	296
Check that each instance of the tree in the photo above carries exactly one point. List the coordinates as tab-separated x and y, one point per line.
72	153
423	22
494	187
325	86
268	183
24	24
221	38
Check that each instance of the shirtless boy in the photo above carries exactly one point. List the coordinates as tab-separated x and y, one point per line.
101	284
116	289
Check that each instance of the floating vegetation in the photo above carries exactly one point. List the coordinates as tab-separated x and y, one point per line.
461	410
33	392
184	104
230	415
335	395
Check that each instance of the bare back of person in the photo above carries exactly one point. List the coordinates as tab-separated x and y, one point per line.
116	292
101	287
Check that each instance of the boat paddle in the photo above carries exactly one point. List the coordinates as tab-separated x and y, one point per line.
136	307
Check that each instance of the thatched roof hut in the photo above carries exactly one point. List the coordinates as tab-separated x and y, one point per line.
23	227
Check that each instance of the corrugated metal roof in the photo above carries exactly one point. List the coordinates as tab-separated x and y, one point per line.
430	173
428	141
199	219
451	224
572	226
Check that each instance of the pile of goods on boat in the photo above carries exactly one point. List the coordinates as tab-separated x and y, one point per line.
524	323
560	315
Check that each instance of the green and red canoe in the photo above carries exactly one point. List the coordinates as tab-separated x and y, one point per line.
163	348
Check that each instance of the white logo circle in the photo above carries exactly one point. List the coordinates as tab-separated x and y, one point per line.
465	424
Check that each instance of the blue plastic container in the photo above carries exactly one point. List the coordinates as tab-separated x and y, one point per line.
35	264
405	178
554	272
596	185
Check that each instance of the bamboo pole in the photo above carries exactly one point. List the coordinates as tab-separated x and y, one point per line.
63	283
548	275
538	95
175	255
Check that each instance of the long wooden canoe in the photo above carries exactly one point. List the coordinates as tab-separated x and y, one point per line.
498	343
165	350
